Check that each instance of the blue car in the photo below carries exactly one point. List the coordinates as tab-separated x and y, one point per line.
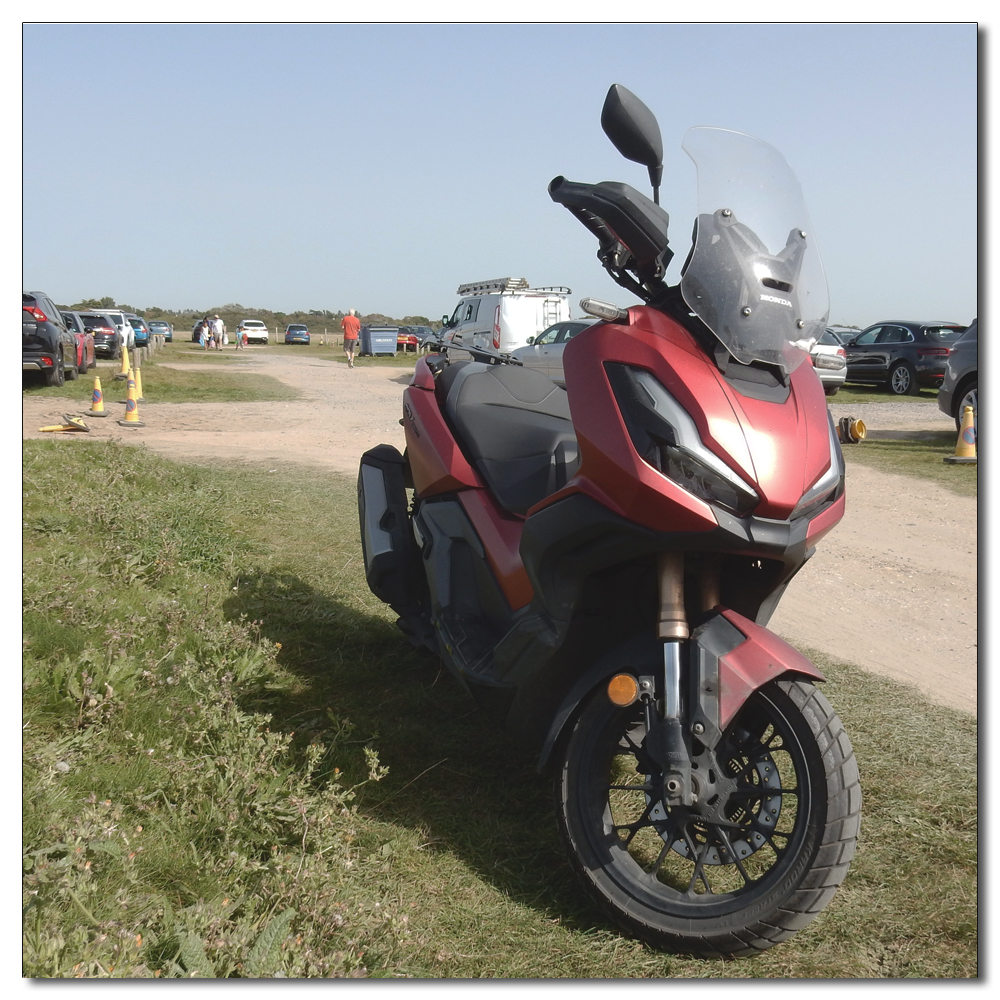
141	330
297	333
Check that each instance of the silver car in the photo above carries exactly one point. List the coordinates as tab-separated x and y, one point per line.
544	352
830	361
960	387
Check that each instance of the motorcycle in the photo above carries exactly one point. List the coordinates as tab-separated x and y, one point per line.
598	564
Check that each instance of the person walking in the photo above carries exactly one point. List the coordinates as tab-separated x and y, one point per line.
205	334
351	326
218	331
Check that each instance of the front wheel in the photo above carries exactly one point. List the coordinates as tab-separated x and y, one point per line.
753	861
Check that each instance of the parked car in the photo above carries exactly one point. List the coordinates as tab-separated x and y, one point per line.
122	325
162	327
255	329
843	333
829	358
960	387
107	339
86	356
141	331
47	346
410	338
296	333
544	352
902	354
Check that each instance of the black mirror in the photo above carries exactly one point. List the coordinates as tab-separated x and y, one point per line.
530	341
633	129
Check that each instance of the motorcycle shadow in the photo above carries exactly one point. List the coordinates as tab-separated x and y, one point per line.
453	776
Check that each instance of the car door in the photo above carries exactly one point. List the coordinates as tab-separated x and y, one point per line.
862	356
894	343
537	355
463	326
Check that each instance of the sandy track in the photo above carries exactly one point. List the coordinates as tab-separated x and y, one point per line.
892	588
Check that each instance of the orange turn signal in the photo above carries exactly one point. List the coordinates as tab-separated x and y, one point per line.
623	689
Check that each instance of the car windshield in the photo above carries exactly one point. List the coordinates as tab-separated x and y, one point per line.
297	329
137	323
830	339
944	334
96	322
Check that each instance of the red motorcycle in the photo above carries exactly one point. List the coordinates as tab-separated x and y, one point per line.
598	564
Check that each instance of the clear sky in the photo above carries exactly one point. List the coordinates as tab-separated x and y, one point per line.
379	166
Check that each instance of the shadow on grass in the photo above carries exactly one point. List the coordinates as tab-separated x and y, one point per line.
453	775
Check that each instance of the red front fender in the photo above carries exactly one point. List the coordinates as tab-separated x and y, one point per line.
753	663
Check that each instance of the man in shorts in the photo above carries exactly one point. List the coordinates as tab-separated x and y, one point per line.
351	326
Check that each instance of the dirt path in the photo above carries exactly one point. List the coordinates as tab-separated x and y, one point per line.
892	588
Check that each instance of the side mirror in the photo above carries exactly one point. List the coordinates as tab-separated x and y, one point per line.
530	341
633	129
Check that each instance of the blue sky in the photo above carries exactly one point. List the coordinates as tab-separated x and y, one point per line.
379	166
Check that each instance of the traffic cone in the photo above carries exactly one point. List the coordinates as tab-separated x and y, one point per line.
131	406
123	371
966	445
97	406
71	424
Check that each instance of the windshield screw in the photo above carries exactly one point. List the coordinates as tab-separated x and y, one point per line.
698	729
802	233
726	212
800	324
745	311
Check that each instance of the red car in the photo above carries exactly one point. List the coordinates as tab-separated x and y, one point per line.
86	358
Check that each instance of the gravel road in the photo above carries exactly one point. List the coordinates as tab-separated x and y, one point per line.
893	587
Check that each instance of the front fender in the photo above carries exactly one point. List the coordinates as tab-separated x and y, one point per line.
729	657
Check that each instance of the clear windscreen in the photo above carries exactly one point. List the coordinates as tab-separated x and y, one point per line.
755	277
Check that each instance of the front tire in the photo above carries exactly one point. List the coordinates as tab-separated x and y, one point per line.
755	861
969	398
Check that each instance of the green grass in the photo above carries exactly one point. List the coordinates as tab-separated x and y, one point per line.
917	454
856	393
212	696
163	384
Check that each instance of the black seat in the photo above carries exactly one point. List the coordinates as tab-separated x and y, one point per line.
514	424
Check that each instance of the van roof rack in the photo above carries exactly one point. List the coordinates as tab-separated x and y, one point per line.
494	285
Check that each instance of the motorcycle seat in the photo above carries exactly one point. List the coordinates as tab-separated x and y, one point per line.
514	425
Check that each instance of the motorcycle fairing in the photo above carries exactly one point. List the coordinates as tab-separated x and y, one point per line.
739	429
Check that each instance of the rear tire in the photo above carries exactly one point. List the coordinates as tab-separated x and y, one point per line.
831	390
903	380
970	397
57	376
778	822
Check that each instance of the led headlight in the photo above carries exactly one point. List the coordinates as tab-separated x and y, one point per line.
827	487
666	437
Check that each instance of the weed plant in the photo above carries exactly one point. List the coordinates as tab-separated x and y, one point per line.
236	766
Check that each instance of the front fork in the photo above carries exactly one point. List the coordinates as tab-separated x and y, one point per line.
667	740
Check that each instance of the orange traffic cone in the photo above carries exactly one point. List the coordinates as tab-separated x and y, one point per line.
851	431
131	406
123	371
966	446
97	406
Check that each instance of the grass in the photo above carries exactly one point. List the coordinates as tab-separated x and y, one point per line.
234	765
919	455
856	393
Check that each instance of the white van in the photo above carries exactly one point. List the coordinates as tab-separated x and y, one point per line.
124	327
499	316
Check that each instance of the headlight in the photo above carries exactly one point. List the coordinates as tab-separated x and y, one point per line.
666	437
827	486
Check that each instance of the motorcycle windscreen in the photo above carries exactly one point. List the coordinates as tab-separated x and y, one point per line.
754	277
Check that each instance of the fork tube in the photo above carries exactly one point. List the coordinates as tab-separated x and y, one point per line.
672	679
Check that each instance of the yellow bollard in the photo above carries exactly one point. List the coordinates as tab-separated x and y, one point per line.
966	447
123	371
131	406
97	406
139	398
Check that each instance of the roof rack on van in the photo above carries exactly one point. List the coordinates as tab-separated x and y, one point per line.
493	285
553	288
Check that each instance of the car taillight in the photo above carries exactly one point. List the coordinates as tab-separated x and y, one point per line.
496	328
841	352
36	314
933	352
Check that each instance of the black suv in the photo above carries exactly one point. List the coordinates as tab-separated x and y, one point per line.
47	345
903	354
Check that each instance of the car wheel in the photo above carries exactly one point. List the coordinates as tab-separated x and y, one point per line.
72	373
57	376
831	390
969	398
903	380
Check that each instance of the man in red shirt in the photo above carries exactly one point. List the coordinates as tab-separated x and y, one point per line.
351	326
